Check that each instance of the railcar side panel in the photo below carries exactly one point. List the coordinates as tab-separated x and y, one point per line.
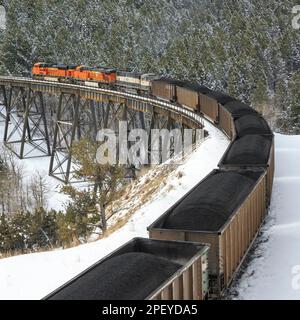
209	107
226	122
187	98
164	90
237	237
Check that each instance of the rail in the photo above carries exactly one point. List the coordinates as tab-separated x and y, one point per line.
15	81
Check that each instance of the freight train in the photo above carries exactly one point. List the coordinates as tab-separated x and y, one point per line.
197	245
93	76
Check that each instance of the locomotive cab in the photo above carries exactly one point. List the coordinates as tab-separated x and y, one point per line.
146	80
39	69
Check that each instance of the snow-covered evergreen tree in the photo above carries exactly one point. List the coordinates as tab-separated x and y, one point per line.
246	48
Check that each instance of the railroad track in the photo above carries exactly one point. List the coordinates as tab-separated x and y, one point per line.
48	86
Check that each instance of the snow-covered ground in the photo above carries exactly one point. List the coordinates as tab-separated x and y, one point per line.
33	276
56	200
274	273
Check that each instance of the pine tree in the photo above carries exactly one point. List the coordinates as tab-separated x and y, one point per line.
105	180
242	47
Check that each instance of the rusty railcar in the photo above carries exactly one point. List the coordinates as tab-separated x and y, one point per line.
210	102
225	210
188	95
251	152
143	269
165	88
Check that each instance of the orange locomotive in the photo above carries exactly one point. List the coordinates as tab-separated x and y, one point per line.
129	81
74	74
97	74
40	69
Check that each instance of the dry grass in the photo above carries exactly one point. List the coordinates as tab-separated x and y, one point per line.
12	253
179	174
138	194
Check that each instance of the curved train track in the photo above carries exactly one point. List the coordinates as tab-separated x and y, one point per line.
203	238
91	93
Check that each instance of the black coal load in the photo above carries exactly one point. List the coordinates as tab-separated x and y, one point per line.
251	124
248	150
193	86
170	81
129	276
221	97
211	203
238	108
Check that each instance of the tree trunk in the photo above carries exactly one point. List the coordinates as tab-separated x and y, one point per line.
103	217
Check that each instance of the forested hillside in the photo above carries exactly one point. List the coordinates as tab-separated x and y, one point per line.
247	48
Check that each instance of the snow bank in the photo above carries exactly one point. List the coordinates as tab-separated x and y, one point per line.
274	273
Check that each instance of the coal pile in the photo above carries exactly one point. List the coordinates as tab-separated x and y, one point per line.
221	97
210	204
196	87
169	81
251	124
129	276
238	108
249	150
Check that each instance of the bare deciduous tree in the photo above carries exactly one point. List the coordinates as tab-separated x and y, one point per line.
12	191
39	190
